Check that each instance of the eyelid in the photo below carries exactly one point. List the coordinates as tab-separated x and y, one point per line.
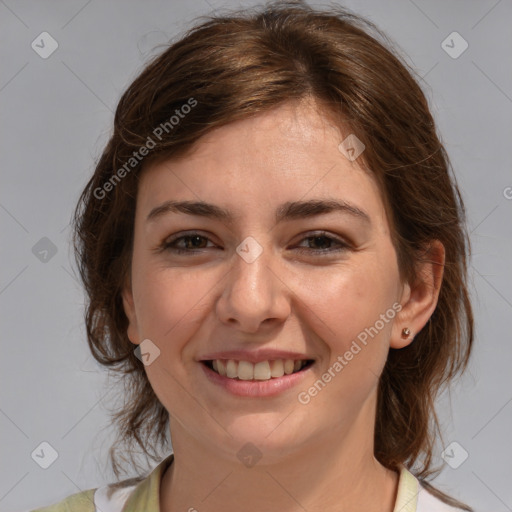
184	234
327	234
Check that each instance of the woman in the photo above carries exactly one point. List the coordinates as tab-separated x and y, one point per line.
274	228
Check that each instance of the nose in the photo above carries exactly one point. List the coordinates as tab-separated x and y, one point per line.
254	297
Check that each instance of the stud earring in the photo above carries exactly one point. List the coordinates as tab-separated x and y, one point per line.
406	332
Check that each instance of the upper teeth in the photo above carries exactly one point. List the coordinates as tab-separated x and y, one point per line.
264	370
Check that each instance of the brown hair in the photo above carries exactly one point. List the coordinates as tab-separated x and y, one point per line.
237	65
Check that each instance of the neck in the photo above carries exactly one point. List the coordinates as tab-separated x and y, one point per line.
335	472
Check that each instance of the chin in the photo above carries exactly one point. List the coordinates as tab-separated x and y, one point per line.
263	435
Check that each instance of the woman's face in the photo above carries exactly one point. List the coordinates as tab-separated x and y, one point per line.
276	277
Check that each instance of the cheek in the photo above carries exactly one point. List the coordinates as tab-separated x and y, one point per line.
350	312
169	299
345	303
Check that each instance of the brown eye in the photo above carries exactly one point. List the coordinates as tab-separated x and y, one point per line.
323	244
188	243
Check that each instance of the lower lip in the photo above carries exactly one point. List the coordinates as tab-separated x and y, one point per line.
256	388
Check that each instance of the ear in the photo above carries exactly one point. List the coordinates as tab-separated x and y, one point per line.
419	299
129	309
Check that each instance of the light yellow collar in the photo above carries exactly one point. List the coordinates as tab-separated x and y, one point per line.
408	489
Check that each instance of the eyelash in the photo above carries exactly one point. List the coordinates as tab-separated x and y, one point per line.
342	246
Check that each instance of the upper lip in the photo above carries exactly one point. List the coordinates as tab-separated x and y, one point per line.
254	356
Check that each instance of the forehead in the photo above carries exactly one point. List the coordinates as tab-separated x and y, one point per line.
286	154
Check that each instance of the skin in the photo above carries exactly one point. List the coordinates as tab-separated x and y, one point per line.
318	456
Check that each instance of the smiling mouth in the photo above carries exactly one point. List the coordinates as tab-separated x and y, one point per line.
264	370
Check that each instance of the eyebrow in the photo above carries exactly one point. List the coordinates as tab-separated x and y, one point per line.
291	210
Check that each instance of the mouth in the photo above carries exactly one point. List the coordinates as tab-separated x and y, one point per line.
261	371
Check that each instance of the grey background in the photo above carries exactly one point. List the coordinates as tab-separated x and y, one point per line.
56	115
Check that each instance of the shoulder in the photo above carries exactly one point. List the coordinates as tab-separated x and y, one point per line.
135	493
104	499
80	502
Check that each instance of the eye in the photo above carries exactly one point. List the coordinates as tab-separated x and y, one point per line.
324	239
193	242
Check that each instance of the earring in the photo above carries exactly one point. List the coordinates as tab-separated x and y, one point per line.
406	332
